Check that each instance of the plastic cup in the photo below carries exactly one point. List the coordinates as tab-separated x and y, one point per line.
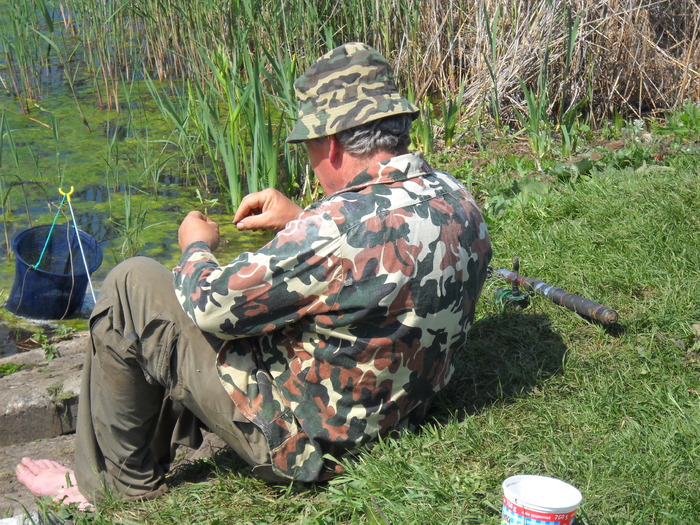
539	500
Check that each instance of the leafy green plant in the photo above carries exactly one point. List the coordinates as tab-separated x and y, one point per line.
450	113
573	130
571	172
683	123
63	332
536	121
631	155
422	134
9	368
40	338
513	200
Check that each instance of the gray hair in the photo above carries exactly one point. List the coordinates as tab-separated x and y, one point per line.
392	134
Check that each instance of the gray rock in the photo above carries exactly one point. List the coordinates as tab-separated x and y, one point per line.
41	399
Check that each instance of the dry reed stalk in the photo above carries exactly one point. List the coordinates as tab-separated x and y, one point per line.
629	56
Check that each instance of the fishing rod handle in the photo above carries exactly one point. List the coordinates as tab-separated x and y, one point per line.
576	303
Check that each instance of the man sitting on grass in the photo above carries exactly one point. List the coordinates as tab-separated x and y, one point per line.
339	330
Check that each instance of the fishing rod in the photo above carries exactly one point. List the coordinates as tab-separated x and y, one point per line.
515	296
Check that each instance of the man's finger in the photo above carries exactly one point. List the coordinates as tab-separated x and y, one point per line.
250	205
254	222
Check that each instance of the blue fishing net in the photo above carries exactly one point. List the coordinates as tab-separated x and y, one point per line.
50	276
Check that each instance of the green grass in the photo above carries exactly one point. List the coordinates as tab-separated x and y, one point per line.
615	411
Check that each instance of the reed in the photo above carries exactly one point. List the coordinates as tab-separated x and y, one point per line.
26	59
481	58
132	225
279	73
451	107
237	113
644	54
535	121
215	112
423	135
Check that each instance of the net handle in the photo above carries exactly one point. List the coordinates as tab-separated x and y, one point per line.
77	234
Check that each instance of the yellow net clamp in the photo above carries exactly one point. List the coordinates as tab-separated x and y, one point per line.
67	195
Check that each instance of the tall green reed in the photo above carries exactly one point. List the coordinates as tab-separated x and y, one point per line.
155	159
536	121
181	138
450	107
264	138
107	40
569	113
27	58
279	73
215	112
422	133
238	113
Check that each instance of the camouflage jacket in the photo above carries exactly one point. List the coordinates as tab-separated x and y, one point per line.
346	322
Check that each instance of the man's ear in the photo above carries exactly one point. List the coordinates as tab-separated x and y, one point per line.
335	151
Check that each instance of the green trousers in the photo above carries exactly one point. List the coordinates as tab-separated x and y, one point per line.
150	384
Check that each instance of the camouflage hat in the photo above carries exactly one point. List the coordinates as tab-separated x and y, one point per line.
347	87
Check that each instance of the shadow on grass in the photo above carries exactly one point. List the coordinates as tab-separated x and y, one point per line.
506	356
221	460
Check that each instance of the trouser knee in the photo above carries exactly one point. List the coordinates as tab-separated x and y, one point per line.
135	270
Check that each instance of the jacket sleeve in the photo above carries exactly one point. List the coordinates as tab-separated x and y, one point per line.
259	292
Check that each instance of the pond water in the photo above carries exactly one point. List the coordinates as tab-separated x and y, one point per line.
112	201
131	187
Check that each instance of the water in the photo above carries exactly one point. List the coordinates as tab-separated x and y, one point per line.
132	187
160	243
12	340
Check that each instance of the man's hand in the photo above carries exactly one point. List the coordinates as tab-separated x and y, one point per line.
198	227
265	210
